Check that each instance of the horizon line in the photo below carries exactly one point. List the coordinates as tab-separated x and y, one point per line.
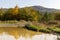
26	6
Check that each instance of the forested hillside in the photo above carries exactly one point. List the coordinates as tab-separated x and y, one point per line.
28	14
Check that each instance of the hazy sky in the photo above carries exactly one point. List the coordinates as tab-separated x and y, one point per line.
23	3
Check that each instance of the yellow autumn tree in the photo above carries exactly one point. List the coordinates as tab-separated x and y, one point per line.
15	10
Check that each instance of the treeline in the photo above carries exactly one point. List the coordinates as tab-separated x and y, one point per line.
27	14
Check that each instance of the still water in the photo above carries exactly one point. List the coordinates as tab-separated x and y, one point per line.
6	36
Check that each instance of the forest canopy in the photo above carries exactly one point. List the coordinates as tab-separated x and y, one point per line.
27	14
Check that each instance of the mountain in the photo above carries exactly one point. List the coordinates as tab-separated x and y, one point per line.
38	8
44	9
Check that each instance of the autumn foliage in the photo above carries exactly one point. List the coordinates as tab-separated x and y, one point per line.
27	14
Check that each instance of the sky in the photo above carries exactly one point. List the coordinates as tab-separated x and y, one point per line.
24	3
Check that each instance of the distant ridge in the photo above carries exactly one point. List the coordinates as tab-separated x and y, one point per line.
38	8
44	9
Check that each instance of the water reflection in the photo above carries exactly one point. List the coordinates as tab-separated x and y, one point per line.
45	37
6	36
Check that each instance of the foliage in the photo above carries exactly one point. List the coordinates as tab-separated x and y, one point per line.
27	14
31	27
48	16
44	30
54	29
57	16
37	28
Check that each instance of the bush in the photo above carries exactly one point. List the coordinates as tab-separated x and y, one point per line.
31	27
55	29
45	30
37	28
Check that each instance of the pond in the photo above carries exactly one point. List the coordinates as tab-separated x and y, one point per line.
6	36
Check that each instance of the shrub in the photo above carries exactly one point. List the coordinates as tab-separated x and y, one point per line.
44	30
37	28
31	27
54	29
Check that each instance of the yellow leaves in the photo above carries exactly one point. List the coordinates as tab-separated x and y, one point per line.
14	11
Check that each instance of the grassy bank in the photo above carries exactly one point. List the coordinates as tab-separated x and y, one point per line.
51	29
30	28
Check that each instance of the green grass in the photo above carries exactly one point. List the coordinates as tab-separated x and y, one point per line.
37	28
43	29
55	29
